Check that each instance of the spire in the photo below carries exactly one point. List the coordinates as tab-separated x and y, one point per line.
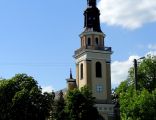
91	14
91	3
71	76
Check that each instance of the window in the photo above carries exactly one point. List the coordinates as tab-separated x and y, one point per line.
81	72
100	108
99	88
96	41
89	42
98	69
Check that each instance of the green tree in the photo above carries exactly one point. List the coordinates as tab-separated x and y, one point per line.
140	104
59	106
22	99
80	105
146	74
136	105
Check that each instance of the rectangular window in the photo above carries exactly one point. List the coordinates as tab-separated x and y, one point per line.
98	70
81	71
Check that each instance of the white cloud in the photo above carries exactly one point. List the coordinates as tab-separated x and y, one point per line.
152	53
129	14
152	46
119	70
47	89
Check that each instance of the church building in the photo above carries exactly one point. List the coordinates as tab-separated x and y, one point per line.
93	62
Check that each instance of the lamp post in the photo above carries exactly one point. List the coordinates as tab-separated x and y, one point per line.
136	71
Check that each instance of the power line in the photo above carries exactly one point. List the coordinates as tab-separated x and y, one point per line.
36	64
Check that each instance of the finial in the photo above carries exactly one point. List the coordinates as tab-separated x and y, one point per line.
71	76
91	3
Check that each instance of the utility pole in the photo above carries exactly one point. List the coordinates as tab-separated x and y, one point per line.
135	74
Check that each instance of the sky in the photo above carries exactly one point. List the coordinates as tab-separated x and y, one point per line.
39	37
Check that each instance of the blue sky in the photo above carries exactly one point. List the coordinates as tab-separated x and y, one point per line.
39	37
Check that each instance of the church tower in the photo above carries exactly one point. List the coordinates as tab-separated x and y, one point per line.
93	61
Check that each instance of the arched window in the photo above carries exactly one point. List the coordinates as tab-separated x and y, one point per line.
81	71
96	41
98	69
88	42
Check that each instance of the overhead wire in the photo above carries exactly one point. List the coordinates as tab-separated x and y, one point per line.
36	64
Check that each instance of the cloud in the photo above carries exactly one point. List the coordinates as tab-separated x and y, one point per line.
152	50
152	46
119	70
152	53
47	89
129	14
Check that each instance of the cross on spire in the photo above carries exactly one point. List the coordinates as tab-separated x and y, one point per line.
91	3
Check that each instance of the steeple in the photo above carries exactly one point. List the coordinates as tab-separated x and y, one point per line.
93	62
71	82
91	17
71	76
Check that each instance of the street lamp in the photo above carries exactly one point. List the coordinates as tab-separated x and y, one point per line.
136	71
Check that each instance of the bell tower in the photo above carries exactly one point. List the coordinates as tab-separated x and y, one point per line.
93	60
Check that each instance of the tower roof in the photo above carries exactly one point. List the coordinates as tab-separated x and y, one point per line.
91	14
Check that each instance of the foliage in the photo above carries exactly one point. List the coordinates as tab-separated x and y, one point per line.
146	74
22	99
80	105
59	106
140	104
